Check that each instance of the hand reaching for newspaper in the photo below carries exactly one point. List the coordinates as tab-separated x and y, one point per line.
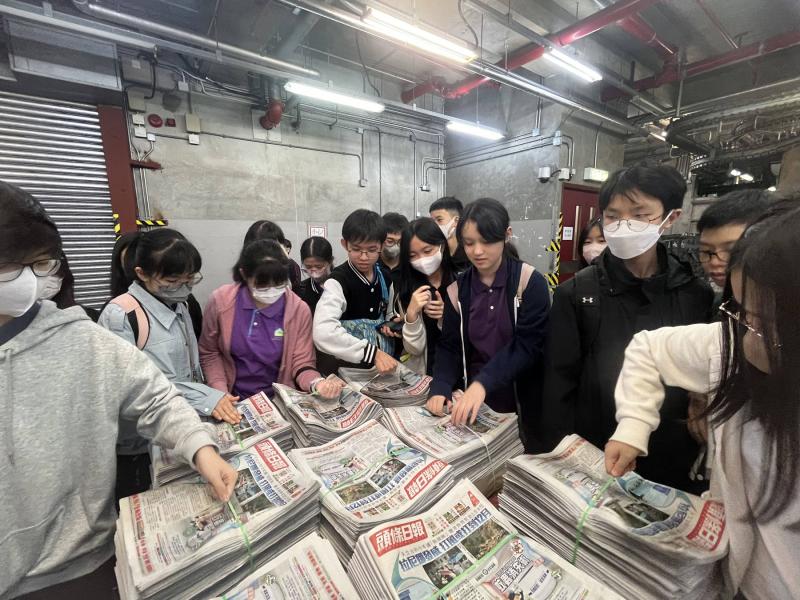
465	409
217	472
620	458
329	388
384	363
436	405
226	410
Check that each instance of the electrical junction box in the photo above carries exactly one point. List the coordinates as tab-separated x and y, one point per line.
564	174
592	174
137	119
139	131
193	123
136	103
545	173
183	86
194	139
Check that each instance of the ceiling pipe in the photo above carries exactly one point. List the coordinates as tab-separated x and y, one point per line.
643	101
483	70
532	52
671	73
297	36
101	12
717	24
638	28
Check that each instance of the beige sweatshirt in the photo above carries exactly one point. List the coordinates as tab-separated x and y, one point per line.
763	557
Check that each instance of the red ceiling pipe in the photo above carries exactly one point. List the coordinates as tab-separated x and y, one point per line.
671	73
611	14
642	31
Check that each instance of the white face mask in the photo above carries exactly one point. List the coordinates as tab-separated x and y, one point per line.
449	228
592	251
428	264
318	274
49	286
627	244
269	295
392	251
17	297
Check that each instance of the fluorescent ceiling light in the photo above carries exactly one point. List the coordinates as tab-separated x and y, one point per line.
407	33
574	66
771	188
334	97
746	177
735	172
476	130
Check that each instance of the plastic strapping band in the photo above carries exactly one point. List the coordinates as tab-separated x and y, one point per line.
236	435
442	592
585	514
243	530
488	454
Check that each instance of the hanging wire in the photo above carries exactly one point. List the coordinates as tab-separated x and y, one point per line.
464	18
364	66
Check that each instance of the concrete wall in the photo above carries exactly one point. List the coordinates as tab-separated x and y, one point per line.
532	205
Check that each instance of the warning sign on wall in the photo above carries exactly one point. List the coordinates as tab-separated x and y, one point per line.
317	230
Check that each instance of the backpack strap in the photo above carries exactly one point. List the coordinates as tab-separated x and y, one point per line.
452	293
137	317
524	278
587	304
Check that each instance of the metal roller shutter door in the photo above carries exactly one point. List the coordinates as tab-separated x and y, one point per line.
54	150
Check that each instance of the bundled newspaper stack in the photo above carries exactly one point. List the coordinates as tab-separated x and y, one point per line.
309	569
260	421
650	540
402	387
369	476
478	451
181	542
316	421
463	549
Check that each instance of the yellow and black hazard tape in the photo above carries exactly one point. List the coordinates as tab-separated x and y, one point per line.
117	226
151	222
555	246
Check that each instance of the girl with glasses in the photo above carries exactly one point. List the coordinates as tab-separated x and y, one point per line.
750	365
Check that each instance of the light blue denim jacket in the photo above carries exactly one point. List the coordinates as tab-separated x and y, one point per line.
172	346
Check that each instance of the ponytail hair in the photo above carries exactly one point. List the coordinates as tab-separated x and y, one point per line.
163	252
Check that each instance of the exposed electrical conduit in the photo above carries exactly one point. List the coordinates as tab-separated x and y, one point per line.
531	52
101	12
478	67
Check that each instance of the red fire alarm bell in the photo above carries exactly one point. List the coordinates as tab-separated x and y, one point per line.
155	120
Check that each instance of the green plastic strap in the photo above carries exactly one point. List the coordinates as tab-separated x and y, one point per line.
236	435
243	530
441	593
585	514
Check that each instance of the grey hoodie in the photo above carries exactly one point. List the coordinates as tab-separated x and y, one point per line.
65	383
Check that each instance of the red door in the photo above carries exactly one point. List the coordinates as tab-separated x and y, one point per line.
579	205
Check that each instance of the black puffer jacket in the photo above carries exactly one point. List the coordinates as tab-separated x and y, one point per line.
594	317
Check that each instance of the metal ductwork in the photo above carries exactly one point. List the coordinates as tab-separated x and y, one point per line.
135	22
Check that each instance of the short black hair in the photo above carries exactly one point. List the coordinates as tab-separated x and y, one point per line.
449	203
492	221
263	260
741	207
662	182
364	225
25	227
164	252
395	222
316	247
264	230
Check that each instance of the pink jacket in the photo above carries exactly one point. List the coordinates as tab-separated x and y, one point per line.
298	362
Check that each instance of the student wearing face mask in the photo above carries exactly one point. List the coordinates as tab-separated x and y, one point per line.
426	271
633	286
591	242
60	288
494	326
446	212
267	230
316	255
257	332
390	253
153	316
68	388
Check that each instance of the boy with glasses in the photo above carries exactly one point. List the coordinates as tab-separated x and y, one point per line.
353	305
634	285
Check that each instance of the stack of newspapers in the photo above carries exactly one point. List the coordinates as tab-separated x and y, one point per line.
316	421
309	569
478	451
181	542
260	421
402	387
369	476
650	540
463	549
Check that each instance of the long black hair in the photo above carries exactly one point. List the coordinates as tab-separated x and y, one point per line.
163	252
122	274
492	220
263	260
766	258
585	233
26	230
65	297
427	231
